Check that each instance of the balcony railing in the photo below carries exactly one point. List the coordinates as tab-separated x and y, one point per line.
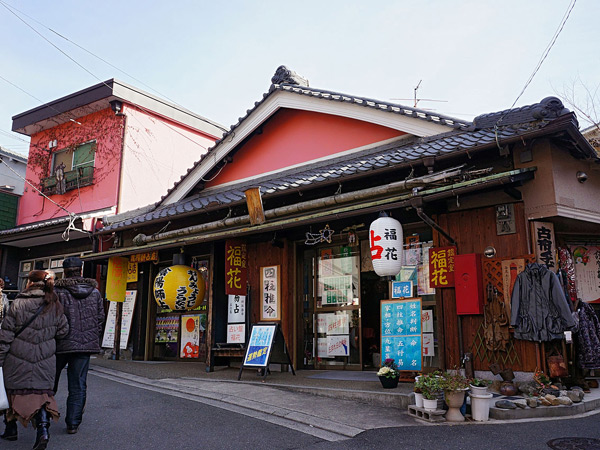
82	176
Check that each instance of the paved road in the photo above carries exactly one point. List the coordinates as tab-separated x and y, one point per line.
122	416
506	436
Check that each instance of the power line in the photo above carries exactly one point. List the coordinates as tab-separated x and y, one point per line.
90	53
33	96
543	57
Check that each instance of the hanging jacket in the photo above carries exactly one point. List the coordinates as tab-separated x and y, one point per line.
28	360
588	338
84	309
539	309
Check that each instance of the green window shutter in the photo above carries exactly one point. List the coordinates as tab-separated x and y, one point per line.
84	155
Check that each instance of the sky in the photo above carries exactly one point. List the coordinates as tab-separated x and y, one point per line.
217	58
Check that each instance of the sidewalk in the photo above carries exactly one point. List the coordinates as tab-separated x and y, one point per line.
341	404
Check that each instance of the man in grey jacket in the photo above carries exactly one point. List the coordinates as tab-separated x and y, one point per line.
84	309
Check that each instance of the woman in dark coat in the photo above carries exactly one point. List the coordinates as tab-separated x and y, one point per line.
28	359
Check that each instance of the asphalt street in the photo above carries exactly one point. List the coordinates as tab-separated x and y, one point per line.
122	416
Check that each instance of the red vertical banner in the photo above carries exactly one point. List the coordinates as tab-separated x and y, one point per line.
236	267
441	266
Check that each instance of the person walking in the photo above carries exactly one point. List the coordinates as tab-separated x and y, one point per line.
84	309
4	305
27	356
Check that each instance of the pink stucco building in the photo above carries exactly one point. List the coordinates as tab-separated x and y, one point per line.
104	150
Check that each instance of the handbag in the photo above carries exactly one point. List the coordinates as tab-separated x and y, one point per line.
3	396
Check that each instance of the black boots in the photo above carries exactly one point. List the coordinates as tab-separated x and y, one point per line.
42	419
11	431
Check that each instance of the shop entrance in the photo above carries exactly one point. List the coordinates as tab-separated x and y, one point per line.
331	308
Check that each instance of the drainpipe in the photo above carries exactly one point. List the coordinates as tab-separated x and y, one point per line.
417	204
117	107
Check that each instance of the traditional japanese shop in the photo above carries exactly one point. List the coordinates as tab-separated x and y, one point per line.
282	232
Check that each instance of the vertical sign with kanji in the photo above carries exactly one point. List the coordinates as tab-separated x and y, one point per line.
401	333
269	297
236	267
545	248
441	266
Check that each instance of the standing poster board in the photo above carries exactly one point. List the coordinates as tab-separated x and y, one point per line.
265	346
401	333
108	340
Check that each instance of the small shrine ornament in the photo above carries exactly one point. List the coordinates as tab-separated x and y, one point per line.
385	241
179	288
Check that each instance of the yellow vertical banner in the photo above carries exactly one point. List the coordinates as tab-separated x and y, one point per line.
116	279
132	272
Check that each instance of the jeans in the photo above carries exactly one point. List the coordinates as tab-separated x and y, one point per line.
77	369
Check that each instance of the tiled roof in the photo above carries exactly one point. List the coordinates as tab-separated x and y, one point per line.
34	226
379	158
486	130
379	105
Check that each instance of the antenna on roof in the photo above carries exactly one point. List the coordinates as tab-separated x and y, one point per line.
417	100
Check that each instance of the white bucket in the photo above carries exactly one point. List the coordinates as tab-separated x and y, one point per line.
430	405
418	400
480	407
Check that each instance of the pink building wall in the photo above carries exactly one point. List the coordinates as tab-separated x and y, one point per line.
157	152
103	127
294	136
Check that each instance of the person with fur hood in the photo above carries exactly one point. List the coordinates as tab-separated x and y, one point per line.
27	356
84	308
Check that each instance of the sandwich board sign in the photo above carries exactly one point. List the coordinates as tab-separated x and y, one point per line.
265	346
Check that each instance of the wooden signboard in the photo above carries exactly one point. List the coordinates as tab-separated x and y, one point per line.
265	346
441	266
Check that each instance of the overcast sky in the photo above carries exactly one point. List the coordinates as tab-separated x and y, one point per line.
217	58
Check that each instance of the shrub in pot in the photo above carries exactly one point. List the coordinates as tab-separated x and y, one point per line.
479	386
454	386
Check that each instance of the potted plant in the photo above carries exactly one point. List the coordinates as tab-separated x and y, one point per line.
430	389
479	386
454	386
388	374
418	392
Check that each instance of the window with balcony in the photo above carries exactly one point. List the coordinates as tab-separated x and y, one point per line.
71	169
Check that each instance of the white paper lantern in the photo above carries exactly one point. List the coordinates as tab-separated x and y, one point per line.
385	240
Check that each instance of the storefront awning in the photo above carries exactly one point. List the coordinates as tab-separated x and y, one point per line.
363	207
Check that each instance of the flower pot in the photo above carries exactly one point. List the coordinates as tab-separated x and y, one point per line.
454	400
389	382
478	390
480	407
430	405
418	399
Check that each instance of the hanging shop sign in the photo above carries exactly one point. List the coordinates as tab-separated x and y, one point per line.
510	269
132	272
402	289
179	288
116	279
108	339
236	267
545	244
441	266
386	241
270	293
236	333
587	272
401	333
236	307
144	257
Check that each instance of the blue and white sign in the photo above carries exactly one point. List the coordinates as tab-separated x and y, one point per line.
401	333
259	345
402	289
